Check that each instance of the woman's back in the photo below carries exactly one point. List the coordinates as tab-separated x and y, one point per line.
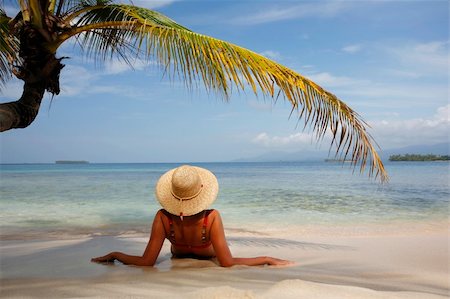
189	235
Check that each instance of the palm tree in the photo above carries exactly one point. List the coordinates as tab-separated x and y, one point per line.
29	42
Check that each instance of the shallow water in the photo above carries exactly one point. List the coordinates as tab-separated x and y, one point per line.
117	198
378	267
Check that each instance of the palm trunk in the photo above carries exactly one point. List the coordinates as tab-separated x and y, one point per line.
40	71
21	113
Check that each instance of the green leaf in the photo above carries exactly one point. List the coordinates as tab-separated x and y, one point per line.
9	48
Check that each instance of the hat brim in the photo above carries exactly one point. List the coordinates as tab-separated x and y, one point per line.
202	201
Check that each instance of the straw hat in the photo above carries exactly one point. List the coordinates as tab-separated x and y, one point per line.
186	190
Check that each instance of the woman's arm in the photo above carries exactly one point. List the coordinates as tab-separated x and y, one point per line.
223	253
151	252
124	258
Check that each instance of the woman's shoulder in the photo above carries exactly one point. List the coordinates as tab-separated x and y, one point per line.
163	214
212	212
212	215
161	211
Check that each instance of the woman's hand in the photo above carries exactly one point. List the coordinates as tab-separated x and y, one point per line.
278	262
109	258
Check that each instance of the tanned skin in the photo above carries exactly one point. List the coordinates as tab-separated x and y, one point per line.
186	232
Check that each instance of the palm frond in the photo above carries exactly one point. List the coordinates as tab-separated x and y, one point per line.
77	7
9	48
221	65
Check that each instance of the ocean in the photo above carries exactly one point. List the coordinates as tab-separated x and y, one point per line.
48	200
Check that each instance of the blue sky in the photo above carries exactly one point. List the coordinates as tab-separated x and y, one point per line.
388	60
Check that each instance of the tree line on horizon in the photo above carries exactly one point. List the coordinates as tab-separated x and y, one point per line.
418	157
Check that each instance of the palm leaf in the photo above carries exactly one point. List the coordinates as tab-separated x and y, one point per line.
9	46
124	29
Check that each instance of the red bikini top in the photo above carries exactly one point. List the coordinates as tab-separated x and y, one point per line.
171	235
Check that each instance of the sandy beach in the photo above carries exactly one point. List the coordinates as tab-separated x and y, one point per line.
363	262
348	238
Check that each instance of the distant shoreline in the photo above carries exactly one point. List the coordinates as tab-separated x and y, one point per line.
71	162
419	158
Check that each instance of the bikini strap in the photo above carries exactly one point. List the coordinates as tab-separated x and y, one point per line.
172	230
171	227
205	224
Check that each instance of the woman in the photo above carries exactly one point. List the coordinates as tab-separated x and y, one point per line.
185	193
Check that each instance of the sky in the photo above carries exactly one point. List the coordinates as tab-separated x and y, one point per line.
388	60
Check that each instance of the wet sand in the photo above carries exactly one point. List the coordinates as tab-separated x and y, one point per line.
363	264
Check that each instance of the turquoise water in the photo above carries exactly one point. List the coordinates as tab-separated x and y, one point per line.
118	198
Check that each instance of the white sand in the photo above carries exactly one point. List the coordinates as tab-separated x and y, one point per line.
360	265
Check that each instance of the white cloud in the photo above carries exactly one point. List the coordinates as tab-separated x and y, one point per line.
117	67
403	73
124	91
385	92
274	55
278	13
393	94
151	4
284	142
387	133
75	80
430	58
114	67
408	59
329	80
352	49
398	133
261	105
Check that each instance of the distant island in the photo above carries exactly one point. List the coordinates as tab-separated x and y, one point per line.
339	160
71	162
416	157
